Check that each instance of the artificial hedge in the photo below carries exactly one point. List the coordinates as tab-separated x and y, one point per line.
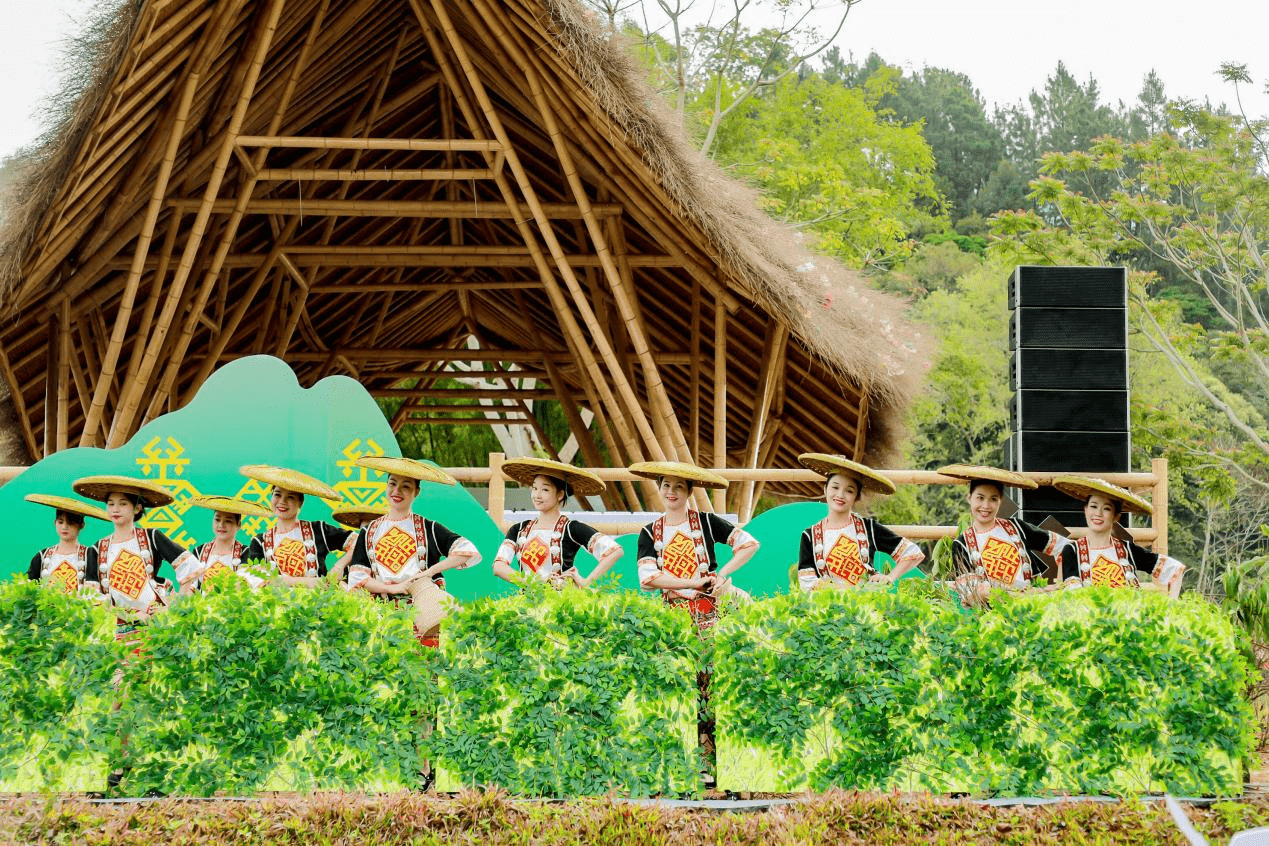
1088	691
578	693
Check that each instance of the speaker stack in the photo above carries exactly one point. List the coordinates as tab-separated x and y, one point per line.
1068	337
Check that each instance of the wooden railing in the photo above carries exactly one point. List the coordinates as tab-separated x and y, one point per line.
1155	481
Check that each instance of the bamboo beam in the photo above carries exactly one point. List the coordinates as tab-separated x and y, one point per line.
467	421
773	353
356	289
585	441
52	369
1158	504
465	393
694	375
355	143
719	455
299	174
375	255
497	490
64	353
861	426
131	399
152	300
471	210
19	405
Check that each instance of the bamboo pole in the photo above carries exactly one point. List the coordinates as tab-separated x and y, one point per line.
772	357
363	143
497	490
296	174
720	396
131	401
572	331
65	351
378	255
861	425
585	442
52	368
694	377
19	405
152	300
1159	504
321	207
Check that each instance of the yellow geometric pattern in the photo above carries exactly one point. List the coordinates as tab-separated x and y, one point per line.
163	460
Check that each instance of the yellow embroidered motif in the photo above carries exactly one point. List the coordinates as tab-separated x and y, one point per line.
534	554
64	578
1107	573
394	550
216	569
1000	560
289	555
127	574
679	557
843	560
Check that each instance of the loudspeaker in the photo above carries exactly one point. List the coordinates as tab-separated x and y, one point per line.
1069	374
1033	286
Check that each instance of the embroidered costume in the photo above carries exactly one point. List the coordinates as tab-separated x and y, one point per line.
395	551
1005	553
302	551
845	554
129	568
548	551
71	571
1117	565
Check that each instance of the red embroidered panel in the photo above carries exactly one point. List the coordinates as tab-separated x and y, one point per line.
534	554
1107	573
289	555
394	550
127	574
1000	560
64	578
843	560
679	557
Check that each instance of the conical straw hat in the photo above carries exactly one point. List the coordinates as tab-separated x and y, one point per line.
974	472
289	480
407	467
1082	487
354	515
523	470
231	505
65	503
680	470
152	494
827	465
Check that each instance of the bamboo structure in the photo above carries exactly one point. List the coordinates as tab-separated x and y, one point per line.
370	187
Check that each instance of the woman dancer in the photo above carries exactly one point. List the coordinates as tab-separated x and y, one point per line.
1102	559
996	551
294	549
69	565
837	551
676	550
224	554
129	557
546	546
404	556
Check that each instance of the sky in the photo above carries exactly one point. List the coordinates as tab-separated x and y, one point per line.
1007	47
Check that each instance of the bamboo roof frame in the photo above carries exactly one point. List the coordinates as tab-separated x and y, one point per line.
359	186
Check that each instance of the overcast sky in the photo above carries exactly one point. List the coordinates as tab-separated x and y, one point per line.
1007	47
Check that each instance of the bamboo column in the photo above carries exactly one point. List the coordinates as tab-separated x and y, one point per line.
131	400
19	405
1159	504
497	490
585	442
861	425
65	351
720	396
52	369
772	356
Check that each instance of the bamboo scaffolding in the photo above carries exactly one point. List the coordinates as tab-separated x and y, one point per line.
122	424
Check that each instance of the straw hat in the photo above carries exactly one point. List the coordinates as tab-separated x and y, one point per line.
65	503
975	472
152	494
1082	487
679	470
289	480
522	470
230	505
353	515
408	468
827	465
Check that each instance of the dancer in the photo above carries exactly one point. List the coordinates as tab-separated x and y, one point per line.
676	550
69	565
294	549
1102	559
546	546
129	557
996	551
224	554
403	556
837	551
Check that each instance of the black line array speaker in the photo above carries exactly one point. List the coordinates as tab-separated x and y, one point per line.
1068	370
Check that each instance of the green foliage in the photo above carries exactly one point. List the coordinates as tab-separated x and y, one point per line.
1088	691
245	690
827	160
57	655
571	693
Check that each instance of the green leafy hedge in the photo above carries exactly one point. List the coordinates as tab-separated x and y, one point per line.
572	693
1089	691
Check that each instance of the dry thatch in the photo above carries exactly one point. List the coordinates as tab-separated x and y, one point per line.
360	186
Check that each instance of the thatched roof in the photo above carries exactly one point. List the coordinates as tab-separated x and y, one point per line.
359	186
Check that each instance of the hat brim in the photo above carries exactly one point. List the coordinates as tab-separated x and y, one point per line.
289	480
523	470
829	465
977	472
151	494
698	476
1082	487
231	505
354	517
408	468
65	503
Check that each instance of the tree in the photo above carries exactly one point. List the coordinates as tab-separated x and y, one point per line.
710	68
826	160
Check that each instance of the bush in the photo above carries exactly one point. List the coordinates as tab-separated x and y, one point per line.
1090	691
